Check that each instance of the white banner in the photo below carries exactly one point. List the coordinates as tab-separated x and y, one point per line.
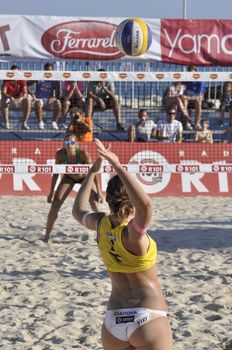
175	41
113	76
42	37
132	168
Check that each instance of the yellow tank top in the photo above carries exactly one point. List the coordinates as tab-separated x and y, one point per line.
116	258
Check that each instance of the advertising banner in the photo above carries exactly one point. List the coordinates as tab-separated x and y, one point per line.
184	179
177	41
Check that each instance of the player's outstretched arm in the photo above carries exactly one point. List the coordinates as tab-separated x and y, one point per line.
80	207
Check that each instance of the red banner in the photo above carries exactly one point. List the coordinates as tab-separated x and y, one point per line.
203	42
185	181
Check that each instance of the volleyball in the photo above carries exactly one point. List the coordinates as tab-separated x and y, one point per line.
133	37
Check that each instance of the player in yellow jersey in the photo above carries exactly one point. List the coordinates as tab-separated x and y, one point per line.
136	316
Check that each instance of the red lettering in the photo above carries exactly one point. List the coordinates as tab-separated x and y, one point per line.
3	37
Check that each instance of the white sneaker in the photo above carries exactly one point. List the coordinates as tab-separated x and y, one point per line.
188	126
64	126
41	125
198	127
55	126
25	126
7	125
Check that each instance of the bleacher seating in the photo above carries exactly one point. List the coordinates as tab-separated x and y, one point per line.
133	96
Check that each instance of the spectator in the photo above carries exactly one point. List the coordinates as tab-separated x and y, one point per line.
102	95
81	125
194	92
174	95
226	102
204	136
47	96
15	95
170	130
144	130
72	97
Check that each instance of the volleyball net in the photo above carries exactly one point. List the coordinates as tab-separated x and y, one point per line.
33	150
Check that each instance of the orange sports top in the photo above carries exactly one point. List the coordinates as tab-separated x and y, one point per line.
82	136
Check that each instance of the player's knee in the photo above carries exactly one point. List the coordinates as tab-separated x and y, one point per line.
57	104
38	104
55	207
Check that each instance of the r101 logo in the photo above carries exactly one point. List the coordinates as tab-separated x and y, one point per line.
77	169
7	169
187	168
40	169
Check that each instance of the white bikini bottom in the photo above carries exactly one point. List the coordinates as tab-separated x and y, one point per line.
122	323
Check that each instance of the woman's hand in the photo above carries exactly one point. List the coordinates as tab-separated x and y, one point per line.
101	197
106	153
96	167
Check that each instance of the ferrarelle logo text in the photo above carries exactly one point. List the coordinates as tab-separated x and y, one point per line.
87	39
193	43
70	41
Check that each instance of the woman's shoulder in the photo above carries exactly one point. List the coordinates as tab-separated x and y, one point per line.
60	155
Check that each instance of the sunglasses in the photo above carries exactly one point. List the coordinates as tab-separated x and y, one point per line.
172	113
69	142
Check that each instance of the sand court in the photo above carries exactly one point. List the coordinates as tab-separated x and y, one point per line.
54	296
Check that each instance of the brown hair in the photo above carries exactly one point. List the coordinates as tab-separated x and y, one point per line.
118	199
14	67
192	68
47	65
70	134
142	110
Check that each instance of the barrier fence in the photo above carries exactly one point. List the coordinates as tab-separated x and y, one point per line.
170	169
187	168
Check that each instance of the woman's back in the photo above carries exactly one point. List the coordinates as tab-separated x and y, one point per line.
138	289
131	273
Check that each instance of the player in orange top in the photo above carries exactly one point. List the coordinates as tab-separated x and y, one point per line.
81	125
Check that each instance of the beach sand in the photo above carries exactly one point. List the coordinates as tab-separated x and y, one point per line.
54	296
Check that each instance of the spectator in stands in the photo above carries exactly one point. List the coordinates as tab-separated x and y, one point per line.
174	95
81	124
205	135
101	94
72	97
194	91
226	102
169	130
46	95
15	95
144	130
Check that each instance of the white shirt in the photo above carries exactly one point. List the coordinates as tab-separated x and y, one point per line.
173	91
169	130
143	131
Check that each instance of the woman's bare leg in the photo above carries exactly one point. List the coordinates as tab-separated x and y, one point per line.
62	192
